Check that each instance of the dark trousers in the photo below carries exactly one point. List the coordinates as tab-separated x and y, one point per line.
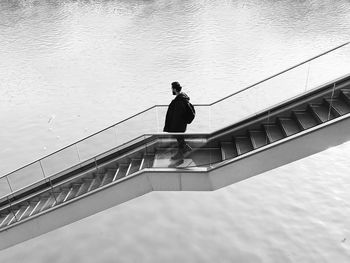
180	141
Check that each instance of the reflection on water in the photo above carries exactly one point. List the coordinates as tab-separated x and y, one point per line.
81	61
92	63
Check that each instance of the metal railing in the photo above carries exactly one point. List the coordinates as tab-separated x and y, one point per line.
282	86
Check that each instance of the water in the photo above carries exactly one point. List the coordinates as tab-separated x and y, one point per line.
70	68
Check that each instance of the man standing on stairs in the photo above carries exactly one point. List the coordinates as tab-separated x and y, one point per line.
175	119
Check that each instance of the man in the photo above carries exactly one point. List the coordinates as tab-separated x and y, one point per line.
175	120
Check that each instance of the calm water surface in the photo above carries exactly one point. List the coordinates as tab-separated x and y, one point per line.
70	68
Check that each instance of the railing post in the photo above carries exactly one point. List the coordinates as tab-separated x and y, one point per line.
76	147
51	186
210	124
157	116
331	103
116	135
8	182
53	192
307	76
42	169
96	165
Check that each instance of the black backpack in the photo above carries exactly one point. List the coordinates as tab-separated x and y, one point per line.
190	113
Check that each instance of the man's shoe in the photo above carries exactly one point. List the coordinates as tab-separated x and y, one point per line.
176	163
179	155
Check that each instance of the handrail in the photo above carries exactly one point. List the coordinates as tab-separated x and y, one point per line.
162	105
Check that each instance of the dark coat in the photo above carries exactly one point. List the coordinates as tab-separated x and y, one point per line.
175	121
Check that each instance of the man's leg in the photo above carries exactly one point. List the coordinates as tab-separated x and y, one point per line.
183	147
181	144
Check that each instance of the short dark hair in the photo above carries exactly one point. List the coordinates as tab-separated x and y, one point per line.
176	85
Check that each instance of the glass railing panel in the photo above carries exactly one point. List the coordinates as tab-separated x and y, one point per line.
258	98
201	122
329	67
60	161
145	123
130	143
97	144
163	149
203	153
161	114
4	187
25	176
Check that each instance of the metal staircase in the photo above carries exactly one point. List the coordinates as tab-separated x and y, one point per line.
274	125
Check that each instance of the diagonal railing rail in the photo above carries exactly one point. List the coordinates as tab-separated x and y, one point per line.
284	85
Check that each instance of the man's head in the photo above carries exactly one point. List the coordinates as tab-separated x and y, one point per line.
176	88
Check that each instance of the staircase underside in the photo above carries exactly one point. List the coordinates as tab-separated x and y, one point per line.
290	131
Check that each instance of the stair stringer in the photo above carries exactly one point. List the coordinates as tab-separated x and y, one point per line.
268	157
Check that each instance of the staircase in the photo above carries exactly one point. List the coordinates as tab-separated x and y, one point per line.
278	135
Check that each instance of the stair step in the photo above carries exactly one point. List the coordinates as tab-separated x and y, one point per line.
340	106
134	166
129	167
72	191
289	126
46	203
305	119
258	138
115	174
37	206
17	214
112	171
107	178
12	218
103	168
322	112
123	168
345	94
29	209
61	196
95	183
3	215
4	221
228	150
243	144
147	161
273	132
84	186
